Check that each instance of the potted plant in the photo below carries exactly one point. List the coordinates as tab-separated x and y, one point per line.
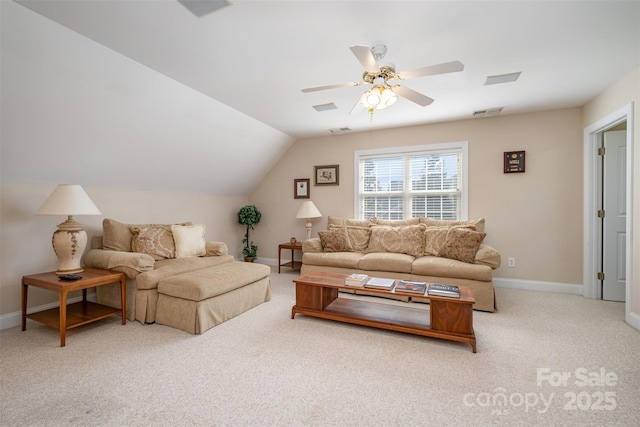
249	216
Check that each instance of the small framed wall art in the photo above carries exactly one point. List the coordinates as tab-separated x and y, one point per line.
301	188
513	161
327	175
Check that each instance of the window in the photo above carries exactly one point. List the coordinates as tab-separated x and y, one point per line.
409	182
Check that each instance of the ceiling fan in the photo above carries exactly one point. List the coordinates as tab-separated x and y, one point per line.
383	93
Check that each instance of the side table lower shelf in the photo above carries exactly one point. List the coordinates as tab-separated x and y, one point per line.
79	313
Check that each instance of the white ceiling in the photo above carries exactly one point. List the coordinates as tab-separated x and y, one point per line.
256	56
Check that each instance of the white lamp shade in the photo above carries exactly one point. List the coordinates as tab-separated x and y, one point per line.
68	199
308	210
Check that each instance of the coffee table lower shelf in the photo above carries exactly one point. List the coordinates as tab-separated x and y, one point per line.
384	316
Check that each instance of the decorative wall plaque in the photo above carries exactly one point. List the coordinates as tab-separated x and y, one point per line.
513	161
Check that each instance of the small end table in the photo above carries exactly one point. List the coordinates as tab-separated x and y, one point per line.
80	313
295	265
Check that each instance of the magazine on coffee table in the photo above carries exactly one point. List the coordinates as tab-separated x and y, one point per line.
380	283
411	287
356	279
443	290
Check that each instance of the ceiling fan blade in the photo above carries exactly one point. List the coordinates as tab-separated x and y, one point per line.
446	67
412	95
366	58
315	89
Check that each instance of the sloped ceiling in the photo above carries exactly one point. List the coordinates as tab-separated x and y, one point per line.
223	91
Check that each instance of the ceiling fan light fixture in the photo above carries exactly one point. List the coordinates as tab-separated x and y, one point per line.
373	96
388	98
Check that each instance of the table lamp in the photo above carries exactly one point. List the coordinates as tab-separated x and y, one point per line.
308	210
70	239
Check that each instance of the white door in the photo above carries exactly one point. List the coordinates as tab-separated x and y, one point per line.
615	208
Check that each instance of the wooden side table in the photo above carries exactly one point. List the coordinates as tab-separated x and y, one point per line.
80	313
295	265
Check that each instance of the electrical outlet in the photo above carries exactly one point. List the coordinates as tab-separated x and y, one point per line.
511	262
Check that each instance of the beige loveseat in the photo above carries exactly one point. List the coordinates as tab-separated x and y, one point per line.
426	249
174	276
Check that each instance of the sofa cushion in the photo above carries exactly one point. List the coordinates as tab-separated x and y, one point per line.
335	220
386	261
445	267
396	222
403	240
170	267
155	240
358	236
431	222
207	283
189	240
462	244
335	240
117	235
332	259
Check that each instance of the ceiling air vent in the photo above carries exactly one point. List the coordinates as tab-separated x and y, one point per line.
325	107
339	131
502	78
488	113
203	7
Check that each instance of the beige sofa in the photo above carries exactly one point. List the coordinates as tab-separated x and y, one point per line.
175	277
426	249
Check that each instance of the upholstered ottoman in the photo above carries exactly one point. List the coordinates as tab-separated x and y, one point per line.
199	300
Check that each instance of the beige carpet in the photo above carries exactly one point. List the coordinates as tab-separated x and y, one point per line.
262	369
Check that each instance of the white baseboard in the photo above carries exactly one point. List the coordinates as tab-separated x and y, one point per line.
533	285
633	319
15	319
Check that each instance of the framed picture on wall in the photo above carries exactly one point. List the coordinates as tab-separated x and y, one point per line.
301	188
327	175
513	161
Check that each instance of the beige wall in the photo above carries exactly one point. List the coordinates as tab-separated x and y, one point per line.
25	239
535	217
624	92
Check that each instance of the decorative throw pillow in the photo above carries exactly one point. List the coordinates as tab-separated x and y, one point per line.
189	240
155	240
335	240
403	240
434	238
462	244
358	236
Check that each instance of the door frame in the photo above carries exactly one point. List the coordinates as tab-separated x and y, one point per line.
592	239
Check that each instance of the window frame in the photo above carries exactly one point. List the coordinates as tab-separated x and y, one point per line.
462	146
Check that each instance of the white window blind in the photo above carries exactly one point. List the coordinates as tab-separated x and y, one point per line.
420	181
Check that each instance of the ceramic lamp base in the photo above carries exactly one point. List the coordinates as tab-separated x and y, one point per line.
69	242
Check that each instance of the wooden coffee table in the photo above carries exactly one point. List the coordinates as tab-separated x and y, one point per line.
449	318
69	316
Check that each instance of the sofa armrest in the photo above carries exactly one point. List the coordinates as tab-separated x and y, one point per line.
487	255
312	245
216	249
129	263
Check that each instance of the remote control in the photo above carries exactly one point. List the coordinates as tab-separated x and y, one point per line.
70	277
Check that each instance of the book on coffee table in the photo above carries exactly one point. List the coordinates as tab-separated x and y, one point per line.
380	283
411	287
356	279
443	290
